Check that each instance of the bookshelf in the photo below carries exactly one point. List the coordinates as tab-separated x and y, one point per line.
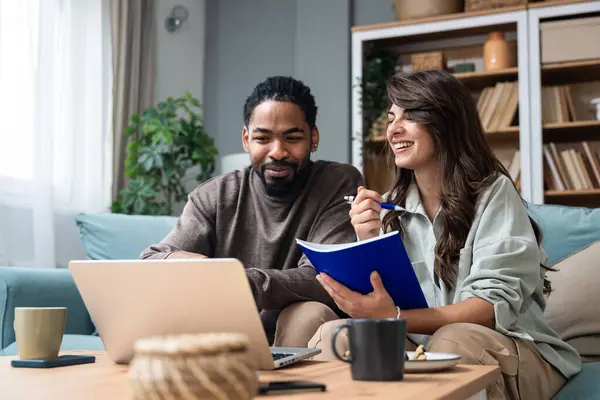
565	134
460	37
518	128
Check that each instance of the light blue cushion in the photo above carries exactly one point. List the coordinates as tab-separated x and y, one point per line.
40	287
565	230
69	343
107	236
583	386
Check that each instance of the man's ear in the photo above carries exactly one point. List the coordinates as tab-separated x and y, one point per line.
314	139
245	138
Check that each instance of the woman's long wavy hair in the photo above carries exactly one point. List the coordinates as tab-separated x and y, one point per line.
444	107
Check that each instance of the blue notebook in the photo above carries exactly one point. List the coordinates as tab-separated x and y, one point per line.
352	263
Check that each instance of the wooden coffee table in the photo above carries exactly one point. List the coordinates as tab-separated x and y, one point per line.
105	380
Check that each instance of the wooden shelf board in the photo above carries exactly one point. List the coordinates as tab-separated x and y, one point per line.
551	3
509	133
378	141
439	18
570	72
575	198
571	193
480	80
572	131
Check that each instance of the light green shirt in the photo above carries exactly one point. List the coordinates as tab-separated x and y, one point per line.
499	263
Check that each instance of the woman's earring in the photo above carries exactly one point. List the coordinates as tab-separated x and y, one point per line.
314	148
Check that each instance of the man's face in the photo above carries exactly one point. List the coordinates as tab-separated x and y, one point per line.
279	141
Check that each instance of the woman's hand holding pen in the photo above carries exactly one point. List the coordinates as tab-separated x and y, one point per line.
365	213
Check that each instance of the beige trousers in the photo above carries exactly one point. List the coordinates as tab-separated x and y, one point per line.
299	322
525	374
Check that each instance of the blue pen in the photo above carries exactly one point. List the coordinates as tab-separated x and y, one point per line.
387	206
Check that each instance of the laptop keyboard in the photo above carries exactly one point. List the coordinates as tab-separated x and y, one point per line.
278	356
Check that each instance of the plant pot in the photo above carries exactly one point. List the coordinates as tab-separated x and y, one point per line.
496	52
413	9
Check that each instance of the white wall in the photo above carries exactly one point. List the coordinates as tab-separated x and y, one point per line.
180	55
180	67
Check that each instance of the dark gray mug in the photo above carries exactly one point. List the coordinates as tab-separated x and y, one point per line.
377	348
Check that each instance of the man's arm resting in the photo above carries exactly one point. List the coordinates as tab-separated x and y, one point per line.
192	234
184	254
274	289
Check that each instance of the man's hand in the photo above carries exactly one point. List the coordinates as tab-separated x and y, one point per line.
377	304
185	254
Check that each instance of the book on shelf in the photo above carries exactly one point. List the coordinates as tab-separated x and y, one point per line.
497	105
557	104
571	168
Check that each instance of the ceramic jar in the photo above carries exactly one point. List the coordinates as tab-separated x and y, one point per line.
496	52
203	366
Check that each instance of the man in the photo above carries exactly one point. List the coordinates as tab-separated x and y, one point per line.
256	214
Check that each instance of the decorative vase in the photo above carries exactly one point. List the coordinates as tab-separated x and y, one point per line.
204	366
496	52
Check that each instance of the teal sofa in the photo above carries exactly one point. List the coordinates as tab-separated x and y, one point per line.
110	236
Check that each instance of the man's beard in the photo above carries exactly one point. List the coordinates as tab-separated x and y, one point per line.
279	187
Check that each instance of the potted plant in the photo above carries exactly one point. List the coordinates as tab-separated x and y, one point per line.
379	66
164	143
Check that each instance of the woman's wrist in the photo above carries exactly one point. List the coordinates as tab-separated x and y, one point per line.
392	313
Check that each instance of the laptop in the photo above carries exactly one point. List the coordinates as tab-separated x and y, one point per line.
132	299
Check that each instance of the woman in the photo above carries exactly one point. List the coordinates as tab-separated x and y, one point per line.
476	252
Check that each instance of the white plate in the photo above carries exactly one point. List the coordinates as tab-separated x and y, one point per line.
434	362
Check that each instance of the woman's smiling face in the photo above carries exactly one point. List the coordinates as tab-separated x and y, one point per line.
412	145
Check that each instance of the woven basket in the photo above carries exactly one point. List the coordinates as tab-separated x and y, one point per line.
480	5
205	366
430	60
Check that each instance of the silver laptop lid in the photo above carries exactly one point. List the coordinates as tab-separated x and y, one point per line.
131	299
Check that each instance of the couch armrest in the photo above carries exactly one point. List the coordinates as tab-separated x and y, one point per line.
38	287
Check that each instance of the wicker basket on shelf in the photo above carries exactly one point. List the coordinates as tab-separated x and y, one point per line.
430	60
480	5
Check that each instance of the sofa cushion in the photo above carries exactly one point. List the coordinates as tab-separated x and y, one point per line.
584	385
40	287
69	343
107	236
565	230
571	310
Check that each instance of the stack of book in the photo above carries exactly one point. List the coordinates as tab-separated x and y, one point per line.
571	169
557	104
498	105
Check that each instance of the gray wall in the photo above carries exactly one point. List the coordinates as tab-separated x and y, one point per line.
372	11
245	42
248	41
180	55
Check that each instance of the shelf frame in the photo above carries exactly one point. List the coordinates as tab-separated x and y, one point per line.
535	15
455	25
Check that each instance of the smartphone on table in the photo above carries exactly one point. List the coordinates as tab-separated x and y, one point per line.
289	386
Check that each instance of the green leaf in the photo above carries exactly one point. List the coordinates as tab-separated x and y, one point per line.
130	130
169	139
